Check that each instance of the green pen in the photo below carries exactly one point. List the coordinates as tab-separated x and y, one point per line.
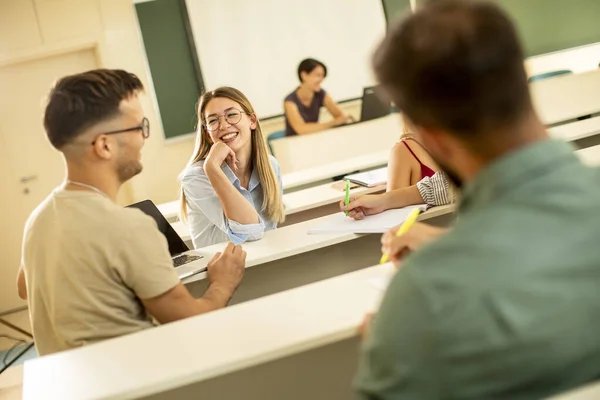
347	194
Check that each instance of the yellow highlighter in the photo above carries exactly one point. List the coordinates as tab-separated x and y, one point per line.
410	220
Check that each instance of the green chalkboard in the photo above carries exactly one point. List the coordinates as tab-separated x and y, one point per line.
551	25
175	72
394	8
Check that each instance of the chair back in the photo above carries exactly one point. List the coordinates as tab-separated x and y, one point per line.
274	136
550	74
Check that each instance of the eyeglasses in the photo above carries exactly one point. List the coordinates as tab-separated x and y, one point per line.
232	117
144	127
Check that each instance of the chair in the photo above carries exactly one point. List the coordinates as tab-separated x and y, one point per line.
550	74
274	136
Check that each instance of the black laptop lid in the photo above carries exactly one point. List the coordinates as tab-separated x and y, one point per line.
176	244
373	104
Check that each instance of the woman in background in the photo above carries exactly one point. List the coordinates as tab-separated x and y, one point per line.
409	161
303	105
413	178
231	189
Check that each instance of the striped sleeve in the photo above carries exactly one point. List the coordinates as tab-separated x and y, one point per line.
436	190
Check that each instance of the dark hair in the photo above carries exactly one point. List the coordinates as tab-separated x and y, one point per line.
308	65
79	101
456	65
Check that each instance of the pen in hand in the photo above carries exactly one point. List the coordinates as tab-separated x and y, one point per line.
347	201
410	220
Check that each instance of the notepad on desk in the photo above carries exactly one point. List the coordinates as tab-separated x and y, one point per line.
372	178
379	223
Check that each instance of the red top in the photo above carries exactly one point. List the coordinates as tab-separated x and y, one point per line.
425	170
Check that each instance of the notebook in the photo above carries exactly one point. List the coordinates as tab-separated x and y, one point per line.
376	177
380	223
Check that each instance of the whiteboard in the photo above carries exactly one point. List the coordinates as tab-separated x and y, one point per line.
256	46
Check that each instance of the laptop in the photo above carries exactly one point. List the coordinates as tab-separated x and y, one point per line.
373	104
181	254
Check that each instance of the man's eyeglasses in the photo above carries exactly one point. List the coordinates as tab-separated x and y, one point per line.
231	116
144	127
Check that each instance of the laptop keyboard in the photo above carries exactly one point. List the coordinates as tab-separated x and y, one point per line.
184	259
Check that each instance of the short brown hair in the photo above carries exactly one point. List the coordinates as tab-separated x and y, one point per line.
79	101
308	65
456	65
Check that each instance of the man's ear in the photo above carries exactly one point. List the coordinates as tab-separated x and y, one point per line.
104	147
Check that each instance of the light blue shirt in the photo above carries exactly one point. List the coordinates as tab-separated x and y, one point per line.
207	221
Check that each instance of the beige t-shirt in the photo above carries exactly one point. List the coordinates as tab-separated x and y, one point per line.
87	262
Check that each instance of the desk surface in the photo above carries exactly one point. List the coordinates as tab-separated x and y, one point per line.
566	97
327	171
298	153
576	130
210	345
291	240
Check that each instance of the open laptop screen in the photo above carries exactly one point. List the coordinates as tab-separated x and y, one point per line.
176	244
373	104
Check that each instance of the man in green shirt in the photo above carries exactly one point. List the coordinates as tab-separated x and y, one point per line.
502	306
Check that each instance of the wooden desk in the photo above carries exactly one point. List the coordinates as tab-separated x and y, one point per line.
321	174
297	153
590	156
583	134
289	257
566	97
256	350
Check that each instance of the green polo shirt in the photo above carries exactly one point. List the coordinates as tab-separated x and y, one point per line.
504	306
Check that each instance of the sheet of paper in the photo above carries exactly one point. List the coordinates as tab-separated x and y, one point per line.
381	282
380	223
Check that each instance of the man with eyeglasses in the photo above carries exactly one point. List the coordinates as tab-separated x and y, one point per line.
92	270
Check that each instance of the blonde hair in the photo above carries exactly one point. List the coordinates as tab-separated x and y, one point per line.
272	205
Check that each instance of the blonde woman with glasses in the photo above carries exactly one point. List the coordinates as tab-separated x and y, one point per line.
231	188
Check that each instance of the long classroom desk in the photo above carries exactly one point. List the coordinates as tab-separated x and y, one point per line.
302	152
566	97
310	177
289	257
583	134
298	344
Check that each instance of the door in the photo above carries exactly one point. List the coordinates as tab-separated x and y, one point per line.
30	168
